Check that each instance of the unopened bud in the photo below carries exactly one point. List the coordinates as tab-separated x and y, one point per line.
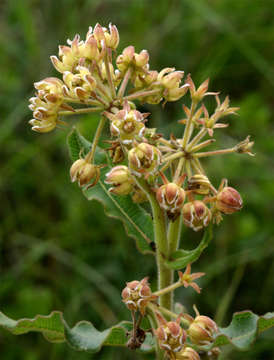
196	215
199	184
83	172
121	180
144	159
170	197
137	294
229	200
202	330
171	337
187	354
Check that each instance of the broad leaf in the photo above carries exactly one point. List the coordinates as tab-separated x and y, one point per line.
137	222
180	258
82	337
243	329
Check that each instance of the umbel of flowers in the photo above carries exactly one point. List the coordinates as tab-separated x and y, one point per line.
166	172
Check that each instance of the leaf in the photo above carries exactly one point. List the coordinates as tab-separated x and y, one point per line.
50	326
82	337
180	258
243	330
137	222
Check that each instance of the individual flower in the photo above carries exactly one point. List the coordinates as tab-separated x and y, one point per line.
170	335
121	179
84	172
202	329
170	81
137	295
144	159
199	184
108	37
127	124
188	279
196	215
228	200
171	195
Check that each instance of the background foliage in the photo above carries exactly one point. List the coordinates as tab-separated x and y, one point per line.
59	251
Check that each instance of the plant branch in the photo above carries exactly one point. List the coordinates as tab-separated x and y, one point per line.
80	111
90	155
215	152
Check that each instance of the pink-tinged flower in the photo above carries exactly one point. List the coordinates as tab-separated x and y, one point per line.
188	279
170	335
137	294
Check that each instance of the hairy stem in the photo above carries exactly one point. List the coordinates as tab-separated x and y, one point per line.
165	275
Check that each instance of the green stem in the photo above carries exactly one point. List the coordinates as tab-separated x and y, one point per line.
189	126
90	155
165	275
80	111
109	77
141	94
169	313
160	355
124	83
212	153
196	139
174	235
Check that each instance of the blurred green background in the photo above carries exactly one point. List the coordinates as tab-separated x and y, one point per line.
58	251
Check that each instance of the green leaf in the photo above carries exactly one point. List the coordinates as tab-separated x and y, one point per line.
82	337
180	258
137	222
50	326
243	330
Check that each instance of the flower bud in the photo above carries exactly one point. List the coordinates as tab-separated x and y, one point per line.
144	159
171	337
121	180
187	354
229	200
170	197
199	184
137	294
82	171
202	330
196	215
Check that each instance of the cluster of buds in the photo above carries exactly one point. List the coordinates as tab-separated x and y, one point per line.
120	179
137	295
144	159
171	336
46	104
138	63
127	124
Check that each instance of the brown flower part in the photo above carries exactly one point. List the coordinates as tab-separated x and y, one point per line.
187	354
120	178
84	172
196	215
171	196
170	335
202	329
137	294
188	279
228	200
144	159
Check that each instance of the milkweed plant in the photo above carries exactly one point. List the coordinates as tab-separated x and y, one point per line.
155	185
